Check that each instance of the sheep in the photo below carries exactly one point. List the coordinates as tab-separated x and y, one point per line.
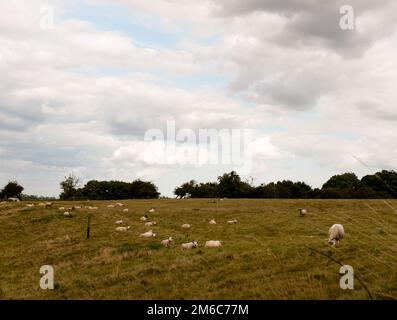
186	226
119	222
30	205
125	210
122	229
61	208
232	221
148	234
213	243
13	200
119	204
66	213
212	221
167	242
93	208
336	233
144	218
189	245
302	212
48	204
78	207
151	223
111	206
151	210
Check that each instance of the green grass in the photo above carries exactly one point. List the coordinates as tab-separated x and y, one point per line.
265	255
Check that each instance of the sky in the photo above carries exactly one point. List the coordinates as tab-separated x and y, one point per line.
83	84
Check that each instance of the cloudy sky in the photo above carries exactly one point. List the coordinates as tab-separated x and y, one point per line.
79	94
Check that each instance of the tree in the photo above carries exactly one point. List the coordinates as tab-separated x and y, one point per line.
69	187
12	190
344	185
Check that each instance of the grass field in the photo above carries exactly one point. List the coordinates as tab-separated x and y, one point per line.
265	255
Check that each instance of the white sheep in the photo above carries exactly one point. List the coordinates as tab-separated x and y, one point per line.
302	212
151	210
66	213
122	229
186	226
232	221
189	245
61	208
30	205
212	221
119	222
125	210
336	233
144	218
150	223
119	204
93	208
167	242
48	204
111	206
148	234
213	243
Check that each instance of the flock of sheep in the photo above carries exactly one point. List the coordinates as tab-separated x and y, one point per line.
336	232
170	241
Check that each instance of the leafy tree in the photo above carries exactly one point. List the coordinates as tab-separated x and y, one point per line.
12	190
343	185
69	187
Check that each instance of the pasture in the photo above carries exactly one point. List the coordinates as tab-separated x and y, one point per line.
265	255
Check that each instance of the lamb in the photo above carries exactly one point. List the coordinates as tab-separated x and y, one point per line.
212	221
336	233
151	210
213	243
148	234
144	218
232	221
151	223
186	226
302	212
119	222
167	242
122	229
189	245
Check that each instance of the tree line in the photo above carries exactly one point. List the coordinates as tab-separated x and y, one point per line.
382	184
107	190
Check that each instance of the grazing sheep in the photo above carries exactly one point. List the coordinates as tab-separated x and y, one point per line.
13	200
93	208
189	245
125	210
61	208
119	222
186	226
151	223
213	243
151	210
302	212
144	218
122	229
148	234
48	204
212	221
111	206
30	205
119	204
66	213
232	221
336	233
167	242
